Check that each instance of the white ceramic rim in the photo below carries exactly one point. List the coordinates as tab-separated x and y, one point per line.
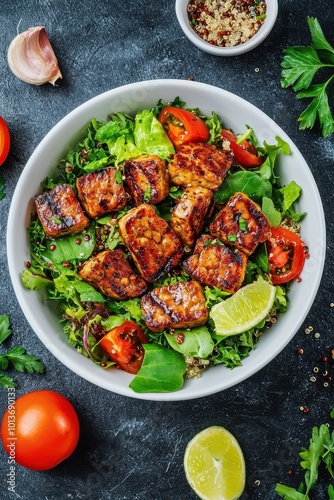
182	17
217	378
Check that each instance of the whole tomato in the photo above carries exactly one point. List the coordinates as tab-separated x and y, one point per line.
40	430
4	140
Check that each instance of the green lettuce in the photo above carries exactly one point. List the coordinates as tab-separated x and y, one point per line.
150	135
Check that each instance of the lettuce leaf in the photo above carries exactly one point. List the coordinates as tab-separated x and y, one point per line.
150	135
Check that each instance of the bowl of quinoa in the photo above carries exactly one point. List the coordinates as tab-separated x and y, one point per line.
226	27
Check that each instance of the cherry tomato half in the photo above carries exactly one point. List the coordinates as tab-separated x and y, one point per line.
4	140
286	253
244	154
40	429
183	126
123	344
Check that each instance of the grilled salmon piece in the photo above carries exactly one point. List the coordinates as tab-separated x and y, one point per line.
215	264
100	193
111	274
147	179
181	305
60	212
241	224
200	164
153	245
190	213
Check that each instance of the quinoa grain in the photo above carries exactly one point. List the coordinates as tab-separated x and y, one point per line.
226	23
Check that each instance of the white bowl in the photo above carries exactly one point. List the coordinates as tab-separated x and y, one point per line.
182	16
235	112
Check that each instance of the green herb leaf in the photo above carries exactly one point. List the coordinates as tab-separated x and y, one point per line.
301	64
2	187
22	361
300	67
312	456
318	38
289	493
5	330
162	370
318	108
6	382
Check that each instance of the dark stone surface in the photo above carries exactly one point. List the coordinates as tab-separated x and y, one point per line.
131	449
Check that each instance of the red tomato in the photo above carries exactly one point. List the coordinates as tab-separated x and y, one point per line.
244	154
183	126
40	430
123	344
286	253
4	140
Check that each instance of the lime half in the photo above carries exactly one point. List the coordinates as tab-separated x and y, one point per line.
245	309
214	465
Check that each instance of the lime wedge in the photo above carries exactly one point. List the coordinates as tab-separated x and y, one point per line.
214	465
245	309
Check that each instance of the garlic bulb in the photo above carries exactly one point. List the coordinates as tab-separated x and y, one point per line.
32	59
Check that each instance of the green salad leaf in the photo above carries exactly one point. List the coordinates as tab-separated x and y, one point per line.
150	136
72	247
162	370
196	342
245	181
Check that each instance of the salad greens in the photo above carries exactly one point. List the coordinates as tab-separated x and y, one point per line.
83	310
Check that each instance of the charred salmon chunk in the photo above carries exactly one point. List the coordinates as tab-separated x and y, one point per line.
200	164
215	264
60	212
190	212
111	274
241	224
147	179
181	305
100	193
153	245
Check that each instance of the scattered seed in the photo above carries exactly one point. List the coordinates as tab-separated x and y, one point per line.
316	369
313	379
299	352
317	335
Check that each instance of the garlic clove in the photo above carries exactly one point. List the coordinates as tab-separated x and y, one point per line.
32	59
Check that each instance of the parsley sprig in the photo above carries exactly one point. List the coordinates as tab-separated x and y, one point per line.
320	452
301	64
16	357
2	187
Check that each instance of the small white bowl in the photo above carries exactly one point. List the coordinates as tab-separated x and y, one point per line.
183	18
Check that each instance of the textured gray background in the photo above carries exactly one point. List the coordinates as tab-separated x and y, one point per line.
131	449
